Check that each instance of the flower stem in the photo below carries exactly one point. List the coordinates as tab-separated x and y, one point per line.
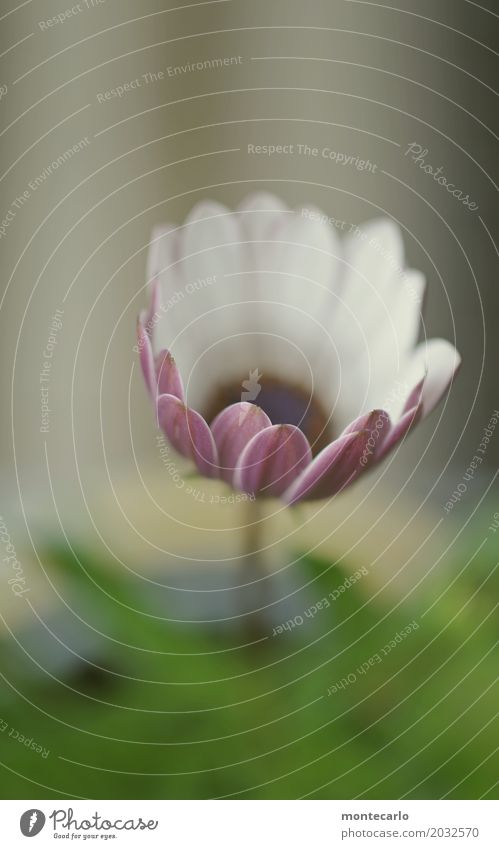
255	579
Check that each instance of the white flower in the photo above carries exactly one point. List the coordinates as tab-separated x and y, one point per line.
324	330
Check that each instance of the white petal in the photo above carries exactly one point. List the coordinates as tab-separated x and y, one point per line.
208	256
297	282
160	256
371	255
302	261
163	267
378	321
210	241
388	339
439	360
258	214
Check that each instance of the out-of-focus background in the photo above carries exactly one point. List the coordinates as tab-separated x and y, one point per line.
128	659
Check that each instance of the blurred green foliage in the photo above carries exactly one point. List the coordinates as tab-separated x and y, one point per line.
159	710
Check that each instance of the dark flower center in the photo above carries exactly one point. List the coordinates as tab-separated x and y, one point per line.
284	403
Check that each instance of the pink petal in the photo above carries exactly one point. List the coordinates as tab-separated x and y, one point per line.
336	466
168	376
272	459
146	357
232	429
405	423
188	433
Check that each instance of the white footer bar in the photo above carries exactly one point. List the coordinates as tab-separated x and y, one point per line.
251	824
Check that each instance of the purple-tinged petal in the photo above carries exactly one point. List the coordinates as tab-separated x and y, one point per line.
414	397
336	466
272	460
433	366
146	357
168	377
377	424
188	433
400	430
232	429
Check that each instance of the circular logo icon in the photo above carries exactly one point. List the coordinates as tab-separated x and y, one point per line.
32	822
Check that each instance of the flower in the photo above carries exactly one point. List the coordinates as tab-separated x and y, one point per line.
299	348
